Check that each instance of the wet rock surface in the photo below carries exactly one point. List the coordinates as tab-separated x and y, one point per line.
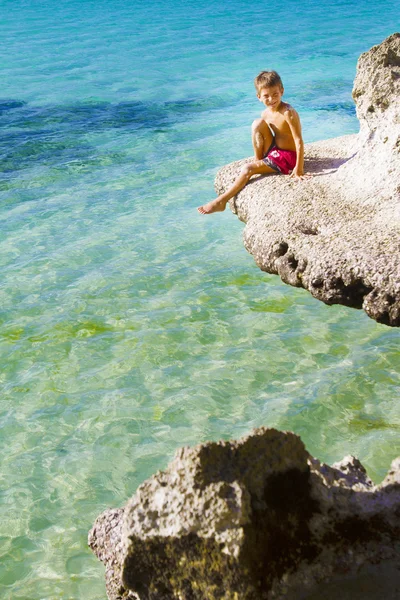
251	519
338	234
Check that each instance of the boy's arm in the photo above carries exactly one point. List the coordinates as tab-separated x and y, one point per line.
293	121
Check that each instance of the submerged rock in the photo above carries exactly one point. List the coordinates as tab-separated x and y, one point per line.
252	519
338	234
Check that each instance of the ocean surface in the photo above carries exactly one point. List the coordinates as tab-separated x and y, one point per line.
130	324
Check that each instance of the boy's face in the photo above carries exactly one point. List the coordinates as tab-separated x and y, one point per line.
271	96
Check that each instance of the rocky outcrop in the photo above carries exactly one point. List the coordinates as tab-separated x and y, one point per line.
254	519
338	234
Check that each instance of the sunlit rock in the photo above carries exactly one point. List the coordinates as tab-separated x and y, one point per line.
338	234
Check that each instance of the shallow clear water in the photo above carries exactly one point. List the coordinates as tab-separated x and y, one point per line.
130	325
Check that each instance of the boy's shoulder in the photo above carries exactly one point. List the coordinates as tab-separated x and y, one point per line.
290	115
287	110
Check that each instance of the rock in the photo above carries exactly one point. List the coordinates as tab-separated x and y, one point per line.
105	539
253	519
337	234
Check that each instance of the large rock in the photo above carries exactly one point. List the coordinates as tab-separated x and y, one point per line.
337	234
254	519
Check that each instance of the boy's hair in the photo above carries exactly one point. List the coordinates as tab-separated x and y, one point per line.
267	79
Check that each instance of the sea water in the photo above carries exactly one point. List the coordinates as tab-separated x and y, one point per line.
130	324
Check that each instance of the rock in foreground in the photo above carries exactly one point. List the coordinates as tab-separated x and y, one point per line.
254	519
338	234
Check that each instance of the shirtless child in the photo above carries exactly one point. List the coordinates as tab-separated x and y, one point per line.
277	141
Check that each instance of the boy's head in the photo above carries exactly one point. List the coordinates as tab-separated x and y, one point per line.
269	88
267	79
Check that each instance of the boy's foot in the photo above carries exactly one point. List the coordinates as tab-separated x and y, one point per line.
211	207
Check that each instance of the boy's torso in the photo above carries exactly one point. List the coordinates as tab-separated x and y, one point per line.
280	127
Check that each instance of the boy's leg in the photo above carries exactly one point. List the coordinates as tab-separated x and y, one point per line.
257	167
261	137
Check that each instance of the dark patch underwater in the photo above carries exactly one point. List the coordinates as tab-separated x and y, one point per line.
53	135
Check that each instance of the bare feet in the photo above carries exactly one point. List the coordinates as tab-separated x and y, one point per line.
211	207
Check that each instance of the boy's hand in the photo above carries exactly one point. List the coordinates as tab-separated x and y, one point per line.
295	175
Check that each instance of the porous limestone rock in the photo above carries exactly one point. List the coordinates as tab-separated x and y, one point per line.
253	519
338	233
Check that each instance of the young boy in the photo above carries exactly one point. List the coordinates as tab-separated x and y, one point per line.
277	141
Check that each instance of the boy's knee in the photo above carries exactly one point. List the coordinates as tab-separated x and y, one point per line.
257	124
248	170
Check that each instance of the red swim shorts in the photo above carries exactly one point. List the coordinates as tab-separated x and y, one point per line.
282	161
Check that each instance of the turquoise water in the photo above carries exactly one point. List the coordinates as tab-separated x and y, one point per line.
130	325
